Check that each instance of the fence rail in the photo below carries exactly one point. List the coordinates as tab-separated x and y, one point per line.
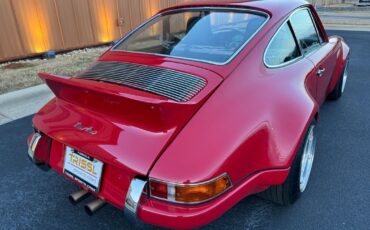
330	2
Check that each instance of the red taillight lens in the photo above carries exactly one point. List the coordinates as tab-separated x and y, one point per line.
158	189
42	152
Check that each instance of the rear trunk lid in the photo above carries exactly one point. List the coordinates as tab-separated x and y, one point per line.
122	116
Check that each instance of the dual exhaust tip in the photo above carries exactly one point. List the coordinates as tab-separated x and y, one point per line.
91	207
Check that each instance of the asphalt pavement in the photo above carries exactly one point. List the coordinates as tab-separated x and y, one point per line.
337	197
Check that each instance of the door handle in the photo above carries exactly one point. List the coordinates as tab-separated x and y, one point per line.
321	72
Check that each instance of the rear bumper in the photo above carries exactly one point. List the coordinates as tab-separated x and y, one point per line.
124	190
115	181
179	216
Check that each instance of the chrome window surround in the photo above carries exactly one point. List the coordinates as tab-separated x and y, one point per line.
172	187
296	40
243	10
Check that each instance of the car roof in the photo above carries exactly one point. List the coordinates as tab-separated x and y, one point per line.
278	11
273	7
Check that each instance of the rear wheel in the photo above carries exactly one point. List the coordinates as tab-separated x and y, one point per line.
299	174
340	86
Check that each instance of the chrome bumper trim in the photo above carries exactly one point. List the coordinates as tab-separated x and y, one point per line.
32	147
31	152
133	198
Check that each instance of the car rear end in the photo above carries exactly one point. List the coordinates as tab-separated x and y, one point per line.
103	135
108	126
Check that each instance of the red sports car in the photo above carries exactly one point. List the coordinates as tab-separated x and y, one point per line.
199	107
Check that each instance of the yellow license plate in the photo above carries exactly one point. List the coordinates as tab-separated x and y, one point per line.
83	168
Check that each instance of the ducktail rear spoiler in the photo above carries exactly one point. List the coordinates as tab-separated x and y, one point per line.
138	107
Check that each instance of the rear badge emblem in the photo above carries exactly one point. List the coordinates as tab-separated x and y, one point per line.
90	130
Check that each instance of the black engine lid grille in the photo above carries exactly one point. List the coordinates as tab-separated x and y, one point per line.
178	86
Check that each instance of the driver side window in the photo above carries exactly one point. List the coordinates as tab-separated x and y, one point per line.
305	30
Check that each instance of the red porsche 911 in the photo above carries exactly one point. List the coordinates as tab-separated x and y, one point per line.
199	107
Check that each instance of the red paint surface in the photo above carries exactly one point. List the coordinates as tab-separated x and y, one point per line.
248	121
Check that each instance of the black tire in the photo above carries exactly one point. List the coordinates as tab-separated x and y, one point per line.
338	90
289	191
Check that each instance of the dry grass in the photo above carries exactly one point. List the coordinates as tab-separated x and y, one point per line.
23	74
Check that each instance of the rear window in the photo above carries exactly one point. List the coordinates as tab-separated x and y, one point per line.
212	35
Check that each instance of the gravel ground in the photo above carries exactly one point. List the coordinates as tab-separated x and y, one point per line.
23	74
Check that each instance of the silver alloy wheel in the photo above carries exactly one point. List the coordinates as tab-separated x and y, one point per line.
307	159
345	77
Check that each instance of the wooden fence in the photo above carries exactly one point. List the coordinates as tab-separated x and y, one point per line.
331	2
29	27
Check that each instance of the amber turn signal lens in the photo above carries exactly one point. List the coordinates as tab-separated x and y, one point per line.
192	193
202	192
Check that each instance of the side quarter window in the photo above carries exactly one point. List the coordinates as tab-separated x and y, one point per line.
282	48
305	30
